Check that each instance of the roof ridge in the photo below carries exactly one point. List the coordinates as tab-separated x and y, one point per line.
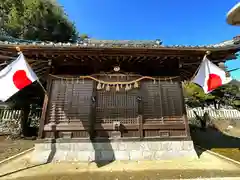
5	39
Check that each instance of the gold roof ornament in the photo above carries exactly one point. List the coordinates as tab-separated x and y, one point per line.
18	50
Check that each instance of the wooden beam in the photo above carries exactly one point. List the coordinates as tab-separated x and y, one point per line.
44	108
101	126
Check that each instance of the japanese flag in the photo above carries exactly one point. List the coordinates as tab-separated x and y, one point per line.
210	76
15	77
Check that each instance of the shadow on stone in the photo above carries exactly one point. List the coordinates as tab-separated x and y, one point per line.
53	148
104	155
211	138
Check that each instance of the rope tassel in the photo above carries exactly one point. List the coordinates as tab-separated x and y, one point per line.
99	86
118	85
126	88
117	88
107	87
135	85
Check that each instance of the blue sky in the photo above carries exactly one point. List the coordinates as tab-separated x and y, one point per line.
182	22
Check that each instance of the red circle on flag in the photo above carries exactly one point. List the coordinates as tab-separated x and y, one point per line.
214	81
20	79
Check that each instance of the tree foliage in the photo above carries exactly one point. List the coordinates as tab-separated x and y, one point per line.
42	20
227	95
195	96
37	20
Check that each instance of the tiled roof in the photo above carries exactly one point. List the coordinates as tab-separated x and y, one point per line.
4	40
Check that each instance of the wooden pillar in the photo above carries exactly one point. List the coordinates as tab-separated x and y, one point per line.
93	111
187	129
45	103
140	119
140	116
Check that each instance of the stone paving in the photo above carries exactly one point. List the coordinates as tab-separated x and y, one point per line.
118	150
23	168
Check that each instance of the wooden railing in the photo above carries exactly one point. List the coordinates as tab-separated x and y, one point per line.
227	114
10	119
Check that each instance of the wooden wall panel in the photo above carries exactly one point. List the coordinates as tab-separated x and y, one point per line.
161	100
70	101
152	110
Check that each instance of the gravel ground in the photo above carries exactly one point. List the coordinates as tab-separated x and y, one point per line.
206	166
9	147
220	140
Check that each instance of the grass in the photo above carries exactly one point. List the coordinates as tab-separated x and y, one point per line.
233	153
217	140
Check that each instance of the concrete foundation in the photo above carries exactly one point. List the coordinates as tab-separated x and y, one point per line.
109	151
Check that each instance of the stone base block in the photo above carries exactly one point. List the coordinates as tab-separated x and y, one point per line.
102	151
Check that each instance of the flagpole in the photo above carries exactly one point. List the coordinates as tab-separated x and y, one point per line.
38	81
45	91
208	65
206	54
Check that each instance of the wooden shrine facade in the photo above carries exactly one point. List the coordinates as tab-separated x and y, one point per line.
98	91
147	108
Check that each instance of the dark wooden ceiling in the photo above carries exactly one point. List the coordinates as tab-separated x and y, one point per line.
104	59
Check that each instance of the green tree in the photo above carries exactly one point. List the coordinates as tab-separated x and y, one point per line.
41	20
195	96
224	95
227	95
37	20
83	36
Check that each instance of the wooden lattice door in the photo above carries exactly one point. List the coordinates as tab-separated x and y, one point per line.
163	109
70	107
117	106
